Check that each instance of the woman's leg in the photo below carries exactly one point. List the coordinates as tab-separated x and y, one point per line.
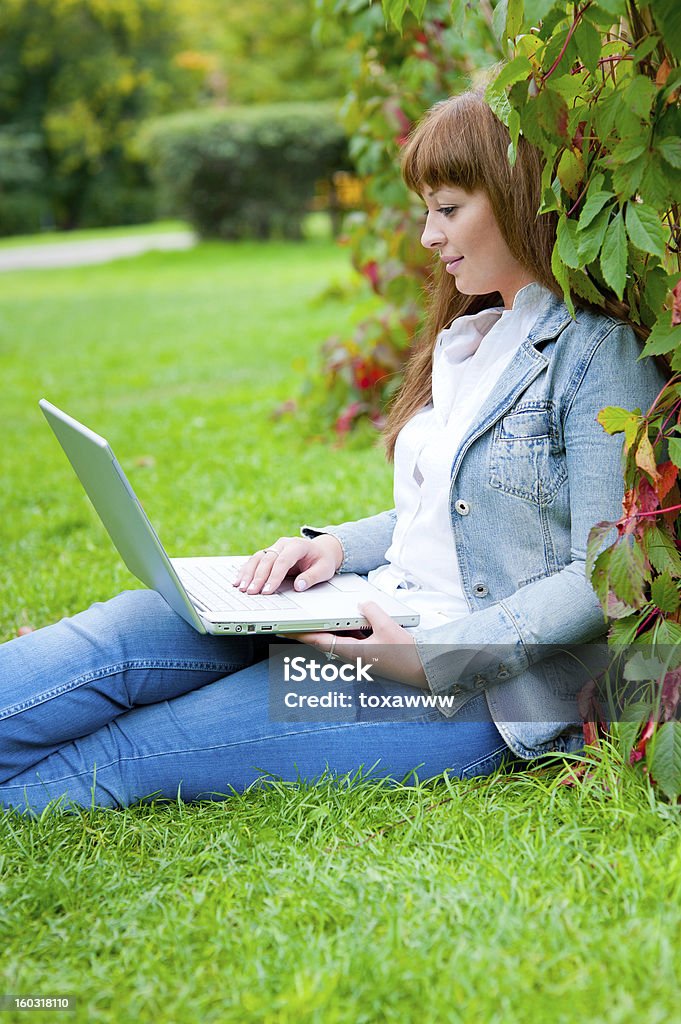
223	736
71	679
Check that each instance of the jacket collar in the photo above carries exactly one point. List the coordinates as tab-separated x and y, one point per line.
527	363
553	319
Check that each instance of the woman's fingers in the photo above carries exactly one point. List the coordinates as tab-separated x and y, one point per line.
258	568
390	649
315	561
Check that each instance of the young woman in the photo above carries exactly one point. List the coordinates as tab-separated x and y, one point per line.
500	471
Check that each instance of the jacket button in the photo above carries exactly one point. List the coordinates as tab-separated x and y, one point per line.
479	682
503	672
456	690
480	590
462	507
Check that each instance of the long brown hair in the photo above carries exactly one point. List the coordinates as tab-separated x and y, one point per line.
461	142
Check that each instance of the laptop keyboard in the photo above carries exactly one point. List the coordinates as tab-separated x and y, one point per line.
213	588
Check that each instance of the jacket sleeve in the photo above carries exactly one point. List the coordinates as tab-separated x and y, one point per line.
364	541
508	637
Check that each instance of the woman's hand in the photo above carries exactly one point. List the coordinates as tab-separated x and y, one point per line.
310	561
390	649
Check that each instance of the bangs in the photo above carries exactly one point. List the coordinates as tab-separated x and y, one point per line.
447	146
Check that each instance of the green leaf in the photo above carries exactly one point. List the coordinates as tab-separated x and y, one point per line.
614	420
643	667
627	572
561	275
639	95
657	284
623	631
582	285
418	7
668	633
599	575
665	594
552	113
629	149
588	42
663	757
515	18
663	338
566	236
499	19
660	547
571	171
593	205
626	178
626	732
614	255
598	536
590	239
644	228
516	70
656	187
667	14
670	148
394	11
514	132
675	451
615	8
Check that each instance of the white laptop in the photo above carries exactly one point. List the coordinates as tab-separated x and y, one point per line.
200	589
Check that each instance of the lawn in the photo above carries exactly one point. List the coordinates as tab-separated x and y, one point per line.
507	899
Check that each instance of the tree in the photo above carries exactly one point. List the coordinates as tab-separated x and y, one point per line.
77	77
262	51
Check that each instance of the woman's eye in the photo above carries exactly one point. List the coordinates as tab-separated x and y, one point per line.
447	211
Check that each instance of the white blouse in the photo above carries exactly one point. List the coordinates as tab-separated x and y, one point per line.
469	358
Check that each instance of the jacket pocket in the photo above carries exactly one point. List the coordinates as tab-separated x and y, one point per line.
527	458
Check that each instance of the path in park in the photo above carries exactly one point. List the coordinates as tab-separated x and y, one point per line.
100	250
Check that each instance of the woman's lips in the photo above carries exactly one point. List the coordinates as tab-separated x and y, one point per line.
452	265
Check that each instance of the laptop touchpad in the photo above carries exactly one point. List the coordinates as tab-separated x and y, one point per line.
347	581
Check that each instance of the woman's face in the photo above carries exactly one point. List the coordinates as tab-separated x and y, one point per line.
460	225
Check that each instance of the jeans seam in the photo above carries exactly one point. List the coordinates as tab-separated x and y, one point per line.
223	746
110	670
193	750
487	757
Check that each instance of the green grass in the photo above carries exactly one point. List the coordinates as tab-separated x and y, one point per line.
507	899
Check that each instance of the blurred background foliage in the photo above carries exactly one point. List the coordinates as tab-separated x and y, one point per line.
79	77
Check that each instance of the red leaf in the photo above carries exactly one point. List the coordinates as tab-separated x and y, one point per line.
346	418
662	73
671	692
370	271
648	499
639	751
667	475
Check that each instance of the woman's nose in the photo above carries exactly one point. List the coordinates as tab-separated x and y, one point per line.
432	237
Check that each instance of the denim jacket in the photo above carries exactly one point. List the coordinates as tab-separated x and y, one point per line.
529	480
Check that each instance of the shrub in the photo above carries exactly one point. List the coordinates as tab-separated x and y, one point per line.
244	172
23	209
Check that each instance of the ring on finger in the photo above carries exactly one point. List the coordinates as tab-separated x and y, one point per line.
330	656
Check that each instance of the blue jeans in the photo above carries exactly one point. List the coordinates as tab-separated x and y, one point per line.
126	702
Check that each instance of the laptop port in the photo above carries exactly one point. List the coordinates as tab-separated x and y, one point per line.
265	627
251	629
